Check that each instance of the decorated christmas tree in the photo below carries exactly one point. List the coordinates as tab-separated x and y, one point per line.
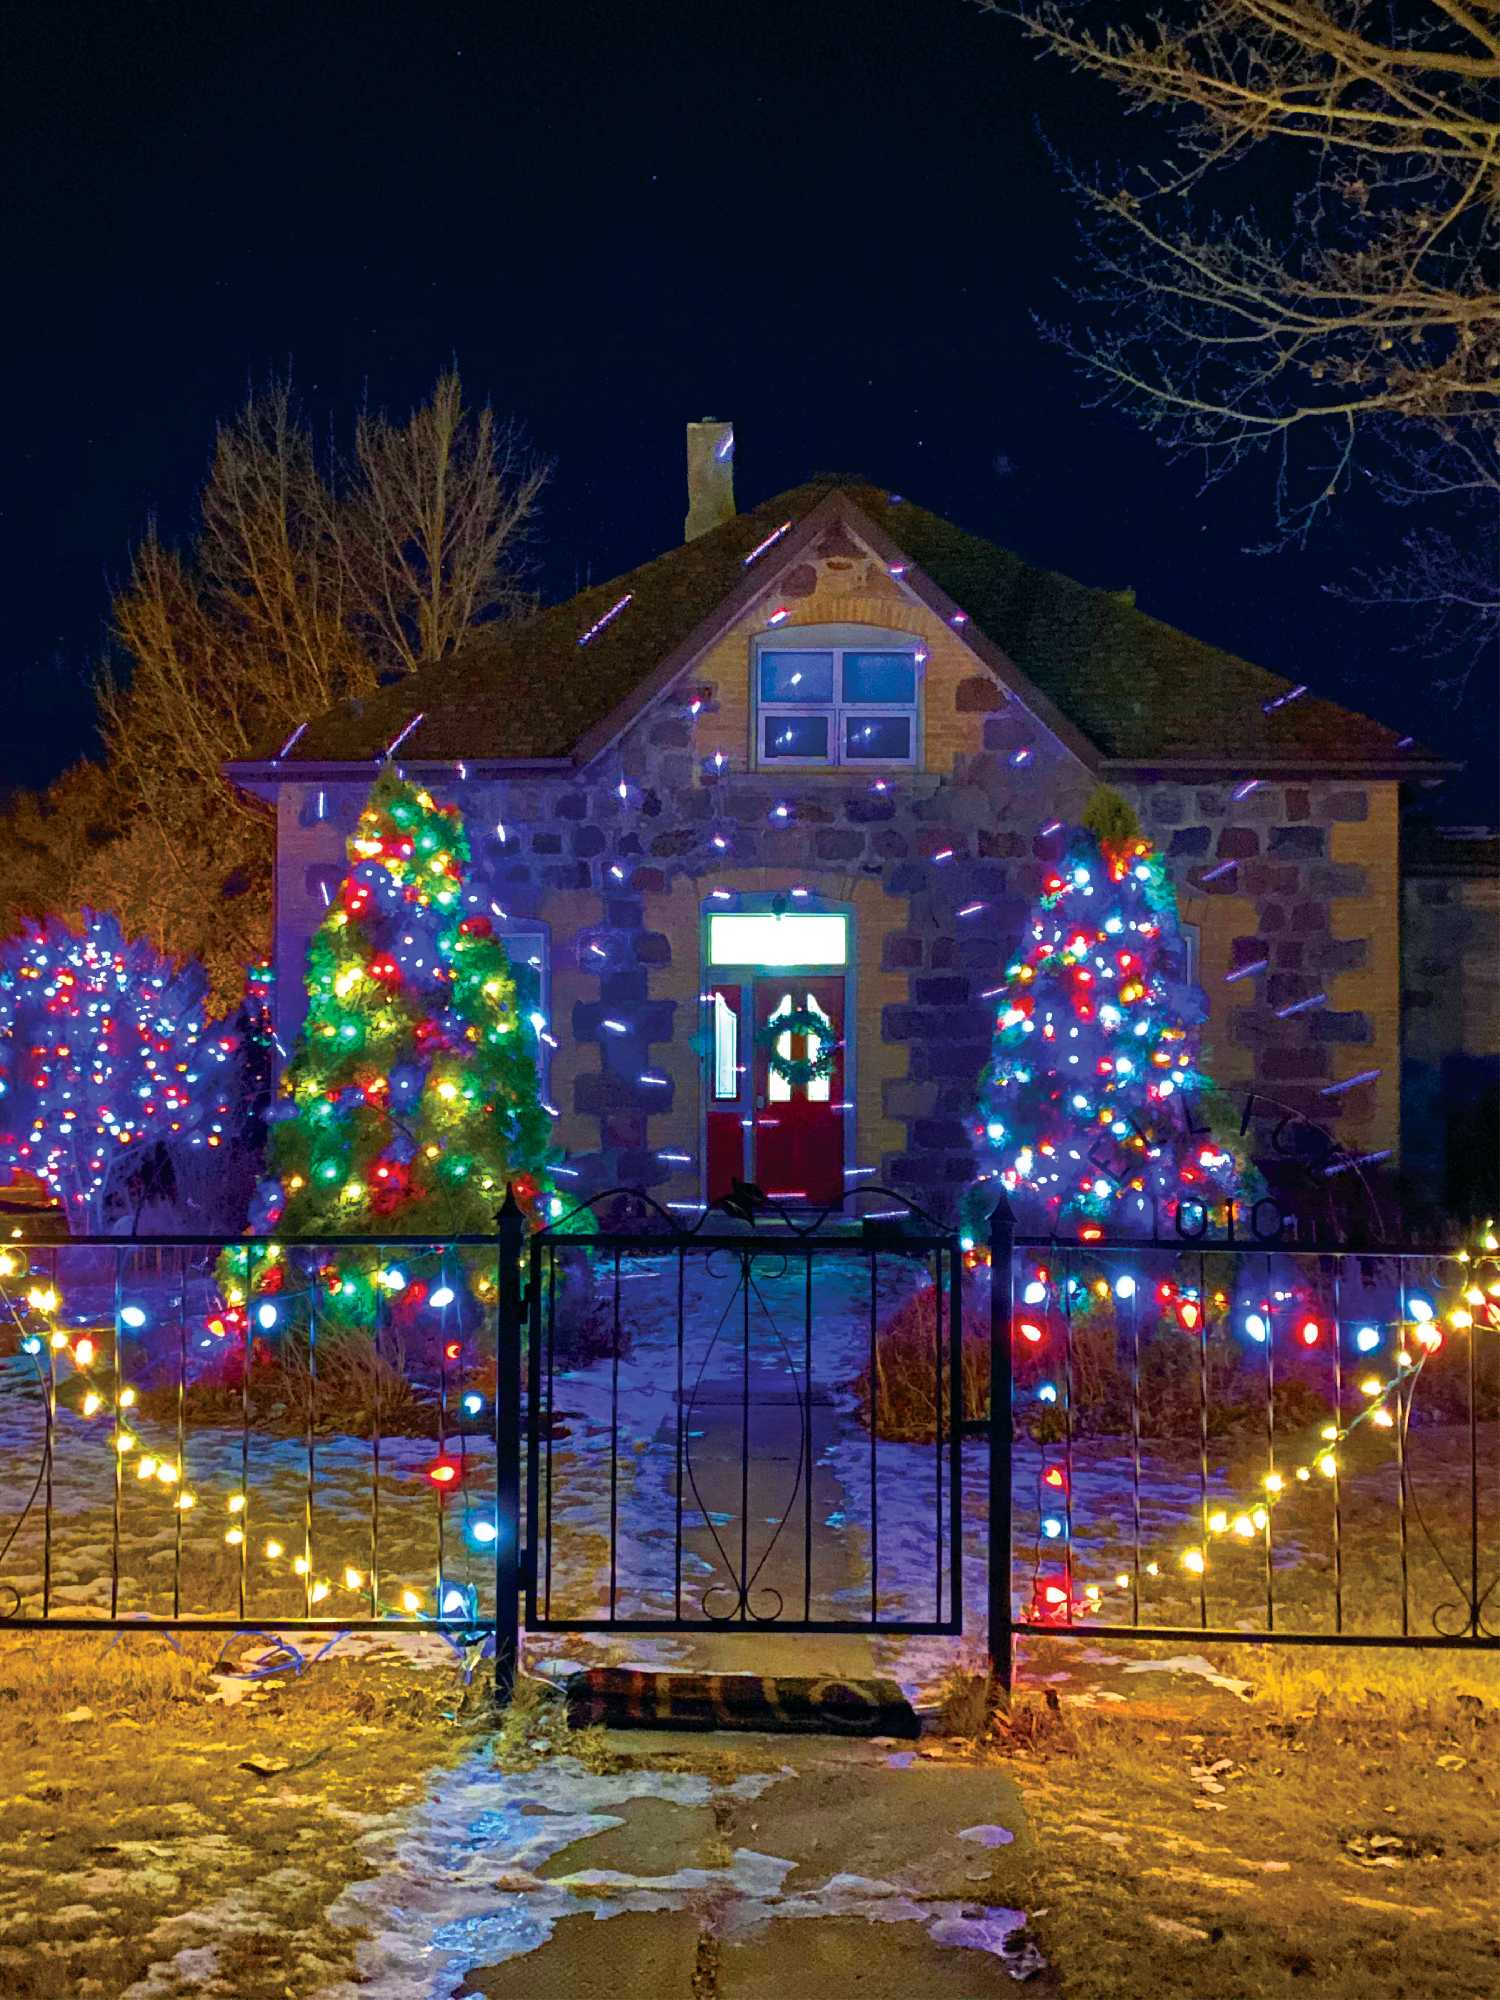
411	1100
109	1065
1094	1110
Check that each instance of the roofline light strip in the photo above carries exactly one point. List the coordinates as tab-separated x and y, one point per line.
599	623
761	547
397	741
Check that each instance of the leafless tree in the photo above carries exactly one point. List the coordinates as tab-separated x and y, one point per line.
302	585
433	524
1343	311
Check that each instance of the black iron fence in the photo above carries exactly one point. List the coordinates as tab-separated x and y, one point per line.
256	1434
1239	1442
753	1425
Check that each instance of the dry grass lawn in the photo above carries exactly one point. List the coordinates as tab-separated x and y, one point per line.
138	1820
1337	1833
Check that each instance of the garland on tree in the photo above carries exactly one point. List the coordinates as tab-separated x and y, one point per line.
411	1100
1095	1109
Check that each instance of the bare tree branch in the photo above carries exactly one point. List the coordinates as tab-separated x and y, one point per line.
434	523
1345	312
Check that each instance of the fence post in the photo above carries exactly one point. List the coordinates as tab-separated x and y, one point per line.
512	1236
1001	1640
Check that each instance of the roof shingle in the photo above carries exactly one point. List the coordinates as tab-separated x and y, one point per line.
1138	689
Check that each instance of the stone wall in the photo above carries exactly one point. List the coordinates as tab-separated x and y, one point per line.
1293	889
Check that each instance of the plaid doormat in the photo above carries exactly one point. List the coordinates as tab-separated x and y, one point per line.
635	1698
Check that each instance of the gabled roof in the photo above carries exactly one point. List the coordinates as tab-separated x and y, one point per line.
1125	688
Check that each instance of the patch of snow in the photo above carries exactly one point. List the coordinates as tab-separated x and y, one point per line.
1193	1663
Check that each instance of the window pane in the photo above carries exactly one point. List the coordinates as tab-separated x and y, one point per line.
880	677
883	736
760	937
796	677
726	1048
795	736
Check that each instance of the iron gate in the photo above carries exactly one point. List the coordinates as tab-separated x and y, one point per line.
699	1456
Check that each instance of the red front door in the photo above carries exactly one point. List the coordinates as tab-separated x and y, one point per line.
798	1127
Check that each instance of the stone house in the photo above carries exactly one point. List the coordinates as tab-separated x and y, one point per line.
817	758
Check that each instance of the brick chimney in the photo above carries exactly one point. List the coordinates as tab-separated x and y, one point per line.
710	474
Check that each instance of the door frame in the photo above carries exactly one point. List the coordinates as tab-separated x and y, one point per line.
757	902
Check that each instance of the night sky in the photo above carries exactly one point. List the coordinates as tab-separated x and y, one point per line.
829	222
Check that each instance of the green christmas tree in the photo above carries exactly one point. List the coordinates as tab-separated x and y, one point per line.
411	1100
1095	1110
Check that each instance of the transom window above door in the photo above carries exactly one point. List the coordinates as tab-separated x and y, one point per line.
838	696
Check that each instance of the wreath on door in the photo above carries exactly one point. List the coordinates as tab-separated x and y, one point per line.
799	1021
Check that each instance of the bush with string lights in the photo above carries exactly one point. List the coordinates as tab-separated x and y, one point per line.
110	1069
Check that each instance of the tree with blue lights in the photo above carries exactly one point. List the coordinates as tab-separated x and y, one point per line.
106	1053
1094	1110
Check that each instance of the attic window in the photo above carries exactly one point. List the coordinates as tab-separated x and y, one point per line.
853	700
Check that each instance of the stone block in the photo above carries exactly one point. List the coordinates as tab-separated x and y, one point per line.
983	952
623	913
1000	845
679	840
940	1135
1237	843
838	843
1347	806
598	1091
1247	951
940	991
908	878
903	1098
1167	806
622	987
587	841
1298	803
900	951
889	845
653	948
1330	954
672	732
1336	878
1261	878
1189	840
978	695
571	805
1290	1065
567	875
648	881
899	1023
546	843
1308	917
625	1130
867	807
1303	842
1328	1026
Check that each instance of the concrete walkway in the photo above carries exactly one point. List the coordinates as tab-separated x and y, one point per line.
709	1868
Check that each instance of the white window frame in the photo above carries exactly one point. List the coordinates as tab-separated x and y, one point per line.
837	640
